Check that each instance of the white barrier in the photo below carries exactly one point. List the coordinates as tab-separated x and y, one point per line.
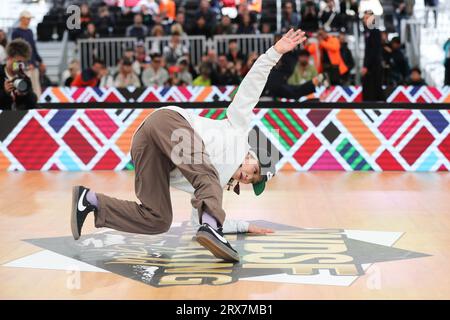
111	50
247	43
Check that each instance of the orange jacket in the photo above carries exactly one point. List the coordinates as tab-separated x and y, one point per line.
333	47
314	51
80	82
170	8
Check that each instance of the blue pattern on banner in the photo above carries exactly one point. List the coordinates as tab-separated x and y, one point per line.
60	119
436	119
99	91
428	162
349	90
414	90
68	162
164	90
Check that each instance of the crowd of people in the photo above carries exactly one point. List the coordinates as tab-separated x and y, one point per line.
324	59
213	17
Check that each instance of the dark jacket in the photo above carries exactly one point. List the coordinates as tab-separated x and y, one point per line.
373	52
27	101
347	56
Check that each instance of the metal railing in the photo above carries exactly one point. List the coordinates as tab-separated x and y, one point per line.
196	45
410	33
247	43
63	60
111	50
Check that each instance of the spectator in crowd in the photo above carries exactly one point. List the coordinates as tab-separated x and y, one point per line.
386	58
207	13
157	31
155	74
246	26
126	76
312	45
90	32
415	78
183	74
168	8
174	80
174	50
447	62
372	71
179	24
309	16
225	26
243	9
106	78
290	18
347	57
348	12
105	22
18	52
266	28
399	63
249	63
71	72
140	59
234	54
210	59
3	43
44	80
137	30
91	76
85	15
330	17
431	5
400	13
200	28
151	7
147	17
304	71
226	73
332	62
204	79
35	62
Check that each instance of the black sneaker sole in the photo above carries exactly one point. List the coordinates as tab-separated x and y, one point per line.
219	251
73	216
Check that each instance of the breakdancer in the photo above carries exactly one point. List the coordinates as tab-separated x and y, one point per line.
175	147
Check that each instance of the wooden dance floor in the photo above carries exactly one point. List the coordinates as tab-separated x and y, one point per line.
339	235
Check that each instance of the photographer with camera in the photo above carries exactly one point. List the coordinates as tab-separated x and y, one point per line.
15	86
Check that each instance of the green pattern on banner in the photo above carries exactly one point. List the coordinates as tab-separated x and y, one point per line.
292	121
283	127
280	138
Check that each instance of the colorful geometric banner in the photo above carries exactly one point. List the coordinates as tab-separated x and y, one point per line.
309	139
212	94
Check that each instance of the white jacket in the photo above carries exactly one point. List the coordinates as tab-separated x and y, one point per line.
226	141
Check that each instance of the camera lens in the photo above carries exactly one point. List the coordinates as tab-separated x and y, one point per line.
21	85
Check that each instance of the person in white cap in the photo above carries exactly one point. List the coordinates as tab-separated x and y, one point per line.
35	63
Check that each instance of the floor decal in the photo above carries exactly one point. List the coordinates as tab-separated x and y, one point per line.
290	255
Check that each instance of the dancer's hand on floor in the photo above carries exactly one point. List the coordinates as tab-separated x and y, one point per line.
258	230
290	41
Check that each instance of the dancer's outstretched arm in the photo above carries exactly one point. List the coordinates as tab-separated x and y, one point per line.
239	112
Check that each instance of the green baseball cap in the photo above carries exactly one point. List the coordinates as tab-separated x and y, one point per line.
267	171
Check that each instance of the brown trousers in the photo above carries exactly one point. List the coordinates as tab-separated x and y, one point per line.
151	154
